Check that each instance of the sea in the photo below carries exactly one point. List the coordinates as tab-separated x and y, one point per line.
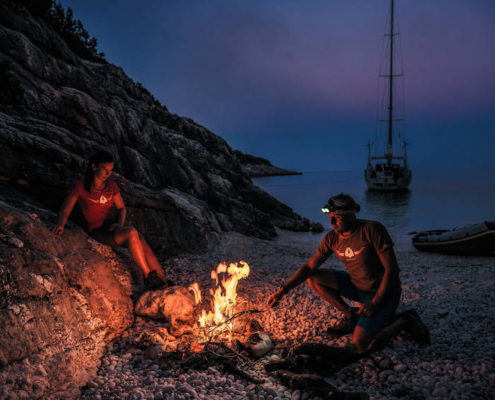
437	199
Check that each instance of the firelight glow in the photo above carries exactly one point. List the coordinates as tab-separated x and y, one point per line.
224	297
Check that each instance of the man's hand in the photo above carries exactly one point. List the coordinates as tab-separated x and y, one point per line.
275	297
57	229
367	309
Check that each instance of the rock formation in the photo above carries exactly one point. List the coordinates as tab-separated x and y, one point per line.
182	183
62	300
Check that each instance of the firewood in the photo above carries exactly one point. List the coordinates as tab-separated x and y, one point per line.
315	385
232	367
315	358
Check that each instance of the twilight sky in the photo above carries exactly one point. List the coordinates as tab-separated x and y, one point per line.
296	81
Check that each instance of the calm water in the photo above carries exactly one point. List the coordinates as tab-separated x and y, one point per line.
437	199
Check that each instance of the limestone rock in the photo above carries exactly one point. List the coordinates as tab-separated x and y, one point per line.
176	304
61	302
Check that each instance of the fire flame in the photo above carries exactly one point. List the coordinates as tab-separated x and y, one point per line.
194	288
224	297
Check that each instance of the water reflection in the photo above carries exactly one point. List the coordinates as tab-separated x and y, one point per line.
390	208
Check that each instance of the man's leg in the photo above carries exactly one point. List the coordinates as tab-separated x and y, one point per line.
325	284
387	333
361	338
375	331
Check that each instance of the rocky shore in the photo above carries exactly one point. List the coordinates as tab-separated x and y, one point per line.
453	295
258	167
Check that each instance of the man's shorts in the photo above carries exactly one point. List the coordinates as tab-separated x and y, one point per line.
381	319
104	235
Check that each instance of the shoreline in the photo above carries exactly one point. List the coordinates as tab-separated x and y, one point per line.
453	296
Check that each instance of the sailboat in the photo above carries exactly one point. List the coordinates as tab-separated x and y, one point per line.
387	168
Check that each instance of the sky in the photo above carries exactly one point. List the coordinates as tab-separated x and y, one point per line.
296	82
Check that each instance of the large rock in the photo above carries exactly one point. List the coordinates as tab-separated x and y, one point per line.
183	184
62	300
176	304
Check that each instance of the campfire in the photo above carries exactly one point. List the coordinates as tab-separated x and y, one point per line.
225	334
220	321
190	321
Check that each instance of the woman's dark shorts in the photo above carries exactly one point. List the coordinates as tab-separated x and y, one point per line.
104	235
381	319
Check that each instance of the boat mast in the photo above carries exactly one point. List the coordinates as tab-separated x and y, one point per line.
388	153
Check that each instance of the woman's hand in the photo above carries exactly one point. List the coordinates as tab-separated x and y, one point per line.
114	227
275	297
57	229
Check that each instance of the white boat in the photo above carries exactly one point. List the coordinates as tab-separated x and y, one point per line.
387	168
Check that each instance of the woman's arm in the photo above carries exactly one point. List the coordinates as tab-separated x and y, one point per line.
64	212
120	206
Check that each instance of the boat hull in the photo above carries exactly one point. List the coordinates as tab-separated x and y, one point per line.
398	179
471	240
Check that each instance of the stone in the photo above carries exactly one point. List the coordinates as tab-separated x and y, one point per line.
176	304
154	351
400	368
258	344
55	322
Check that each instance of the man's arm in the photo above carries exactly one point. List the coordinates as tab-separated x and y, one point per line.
302	273
389	262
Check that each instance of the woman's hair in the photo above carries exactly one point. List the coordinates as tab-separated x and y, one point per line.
97	158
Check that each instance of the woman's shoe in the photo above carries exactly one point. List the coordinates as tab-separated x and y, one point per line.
154	282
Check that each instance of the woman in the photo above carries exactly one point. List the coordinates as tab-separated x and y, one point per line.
97	195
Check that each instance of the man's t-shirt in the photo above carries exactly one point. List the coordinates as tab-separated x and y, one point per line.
358	252
95	205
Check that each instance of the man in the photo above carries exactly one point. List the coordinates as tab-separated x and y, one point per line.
372	277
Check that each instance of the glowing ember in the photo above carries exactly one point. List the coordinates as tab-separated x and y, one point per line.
224	298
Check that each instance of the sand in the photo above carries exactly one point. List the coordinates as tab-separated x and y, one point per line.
452	294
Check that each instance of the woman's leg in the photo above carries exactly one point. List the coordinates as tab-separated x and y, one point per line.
130	237
152	261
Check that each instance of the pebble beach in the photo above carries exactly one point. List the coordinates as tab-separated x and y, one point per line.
453	295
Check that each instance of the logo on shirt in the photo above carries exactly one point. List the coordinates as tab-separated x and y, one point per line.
103	200
349	253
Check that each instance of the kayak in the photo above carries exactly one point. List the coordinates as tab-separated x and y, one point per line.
474	239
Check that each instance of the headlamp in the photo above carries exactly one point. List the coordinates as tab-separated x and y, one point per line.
327	209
